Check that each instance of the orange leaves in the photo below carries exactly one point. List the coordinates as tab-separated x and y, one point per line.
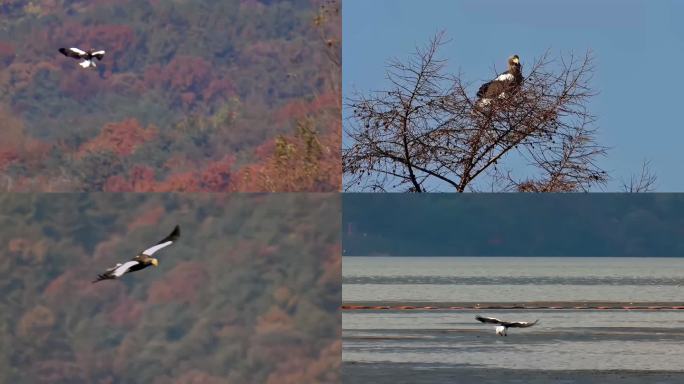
122	138
58	285
303	162
80	85
218	89
149	216
332	267
300	109
15	146
199	377
7	53
181	284
215	177
186	73
126	313
32	252
274	321
58	371
36	323
190	79
324	369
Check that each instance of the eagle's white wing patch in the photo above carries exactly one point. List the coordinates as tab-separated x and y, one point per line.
150	251
123	268
505	77
484	102
98	54
77	51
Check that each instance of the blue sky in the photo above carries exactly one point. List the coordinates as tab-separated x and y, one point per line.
638	48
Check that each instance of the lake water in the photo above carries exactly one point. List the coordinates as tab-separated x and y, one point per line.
511	279
396	344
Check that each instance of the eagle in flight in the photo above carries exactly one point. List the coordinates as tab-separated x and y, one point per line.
502	327
87	56
141	261
504	84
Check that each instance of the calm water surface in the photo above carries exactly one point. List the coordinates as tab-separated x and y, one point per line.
511	279
564	340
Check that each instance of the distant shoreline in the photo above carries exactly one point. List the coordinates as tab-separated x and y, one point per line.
536	305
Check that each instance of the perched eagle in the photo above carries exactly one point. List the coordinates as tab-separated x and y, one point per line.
143	260
87	56
504	84
502	328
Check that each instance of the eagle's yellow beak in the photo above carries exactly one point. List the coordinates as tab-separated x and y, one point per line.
155	262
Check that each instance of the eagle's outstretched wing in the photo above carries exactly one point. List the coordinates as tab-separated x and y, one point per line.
165	242
72	52
116	271
491	320
98	54
522	324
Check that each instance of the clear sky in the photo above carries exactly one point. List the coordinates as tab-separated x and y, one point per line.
638	48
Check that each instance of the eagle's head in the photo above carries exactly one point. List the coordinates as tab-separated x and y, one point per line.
154	261
514	60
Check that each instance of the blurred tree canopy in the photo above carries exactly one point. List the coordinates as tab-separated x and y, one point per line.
249	294
185	86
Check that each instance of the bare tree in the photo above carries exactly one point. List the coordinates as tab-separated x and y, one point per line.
426	132
643	182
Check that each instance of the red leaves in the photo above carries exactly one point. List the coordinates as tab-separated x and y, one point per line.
274	320
126	313
80	85
215	177
36	323
150	216
303	162
122	138
7	53
332	267
300	109
198	377
190	79
181	284
186	73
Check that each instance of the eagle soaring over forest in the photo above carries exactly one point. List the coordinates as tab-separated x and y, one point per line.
141	261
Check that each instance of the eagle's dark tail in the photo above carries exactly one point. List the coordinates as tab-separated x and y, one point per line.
101	277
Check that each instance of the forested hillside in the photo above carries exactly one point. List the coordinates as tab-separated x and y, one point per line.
249	293
198	95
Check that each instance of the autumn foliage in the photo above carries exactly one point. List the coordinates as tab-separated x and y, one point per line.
249	294
221	88
122	138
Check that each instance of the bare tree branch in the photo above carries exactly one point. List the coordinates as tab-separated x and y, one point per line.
426	132
643	182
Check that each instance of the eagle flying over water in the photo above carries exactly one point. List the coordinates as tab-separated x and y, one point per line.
502	328
87	56
143	260
504	84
